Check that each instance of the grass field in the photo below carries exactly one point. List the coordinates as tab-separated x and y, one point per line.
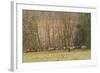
56	55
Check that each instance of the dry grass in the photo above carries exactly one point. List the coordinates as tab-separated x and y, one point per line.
56	55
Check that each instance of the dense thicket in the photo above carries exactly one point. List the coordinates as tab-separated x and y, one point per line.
85	21
48	30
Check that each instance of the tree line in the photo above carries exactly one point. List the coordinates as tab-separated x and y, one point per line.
50	30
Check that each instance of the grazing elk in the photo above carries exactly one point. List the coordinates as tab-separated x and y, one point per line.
50	49
69	48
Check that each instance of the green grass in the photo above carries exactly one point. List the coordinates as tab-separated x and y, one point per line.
56	55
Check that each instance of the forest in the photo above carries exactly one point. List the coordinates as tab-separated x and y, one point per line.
55	31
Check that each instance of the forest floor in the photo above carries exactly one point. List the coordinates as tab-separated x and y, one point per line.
59	55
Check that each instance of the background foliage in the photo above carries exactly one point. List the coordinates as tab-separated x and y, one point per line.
49	30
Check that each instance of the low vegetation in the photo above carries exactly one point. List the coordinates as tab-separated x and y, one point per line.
60	55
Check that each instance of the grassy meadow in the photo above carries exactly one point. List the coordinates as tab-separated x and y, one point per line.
58	55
